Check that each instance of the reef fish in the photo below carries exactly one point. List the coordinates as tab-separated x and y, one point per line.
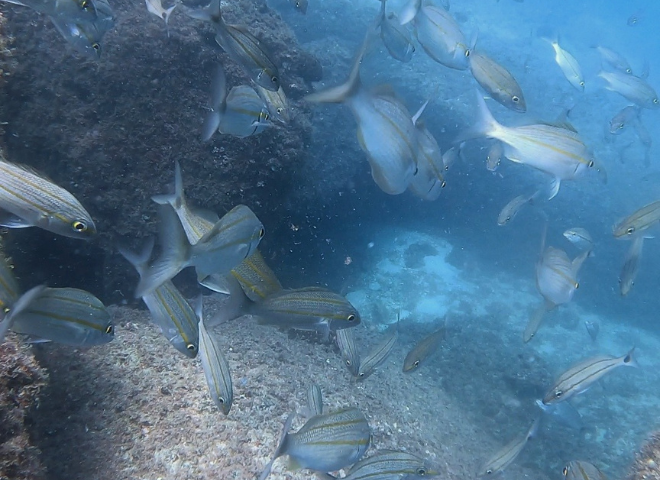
581	470
168	308
28	199
579	237
349	350
631	265
534	322
68	316
507	454
569	65
614	59
556	276
441	37
429	180
622	119
277	104
256	278
632	88
390	465
326	442
232	239
215	366
592	329
378	354
423	349
494	157
156	7
68	10
584	374
497	81
512	208
639	221
396	37
86	36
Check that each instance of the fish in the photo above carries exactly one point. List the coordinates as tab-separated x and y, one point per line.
507	454
632	88
378	354
409	11
581	470
196	223
450	157
349	350
631	265
625	117
390	465
69	316
21	304
613	59
215	366
240	113
156	7
396	37
86	36
256	278
168	308
441	37
276	103
309	308
557	151
564	413
28	199
569	65
67	10
232	239
244	48
579	237
314	400
494	157
534	322
429	181
300	5
592	329
326	442
556	276
638	221
512	208
497	81
635	18
423	349
584	374
385	130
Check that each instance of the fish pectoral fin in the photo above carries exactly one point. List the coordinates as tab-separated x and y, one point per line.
9	220
554	187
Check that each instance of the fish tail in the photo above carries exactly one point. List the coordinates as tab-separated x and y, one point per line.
629	360
410	11
23	302
168	12
210	14
281	446
176	199
175	252
139	260
484	126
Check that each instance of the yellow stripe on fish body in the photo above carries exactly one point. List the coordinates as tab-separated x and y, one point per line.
638	221
178	313
216	370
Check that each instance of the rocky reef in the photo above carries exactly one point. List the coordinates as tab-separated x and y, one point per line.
647	462
110	130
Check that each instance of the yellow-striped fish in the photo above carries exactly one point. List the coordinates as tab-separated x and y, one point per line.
216	368
506	455
256	278
639	221
429	180
631	266
424	349
556	275
30	200
378	354
632	88
441	37
497	81
349	350
569	65
581	470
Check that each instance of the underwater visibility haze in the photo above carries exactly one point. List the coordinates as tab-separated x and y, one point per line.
291	239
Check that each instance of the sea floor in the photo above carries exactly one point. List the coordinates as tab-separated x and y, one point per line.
137	409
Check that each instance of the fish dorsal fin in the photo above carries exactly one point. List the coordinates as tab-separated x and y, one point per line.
577	262
419	113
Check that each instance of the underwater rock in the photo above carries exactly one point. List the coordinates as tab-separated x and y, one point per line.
110	130
647	461
21	379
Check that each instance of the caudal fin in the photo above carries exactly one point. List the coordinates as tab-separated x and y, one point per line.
23	302
484	126
139	260
409	11
280	446
176	199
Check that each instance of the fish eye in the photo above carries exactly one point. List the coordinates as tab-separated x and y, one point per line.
655	100
361	374
348	362
96	46
262	232
565	471
443	184
558	393
515	99
591	163
274	79
416	363
79	226
628	70
109	330
191	347
489	471
350	318
280	110
467	53
577	285
421	471
6	310
621	126
221	400
630	230
582	84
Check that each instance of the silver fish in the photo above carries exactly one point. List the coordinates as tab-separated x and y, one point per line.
614	59
429	181
232	239
195	223
592	329
581	376
497	81
378	354
326	442
277	104
564	413
494	157
169	310
423	349
156	7
314	400
636	18
300	5
557	151
512	208
307	309
556	276
639	221
86	36
581	470
215	366
30	200
349	350
66	315
579	237
385	129
631	265
391	465
243	47
632	88
450	156
396	37
256	278
506	455
441	37
534	322
569	65
67	10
